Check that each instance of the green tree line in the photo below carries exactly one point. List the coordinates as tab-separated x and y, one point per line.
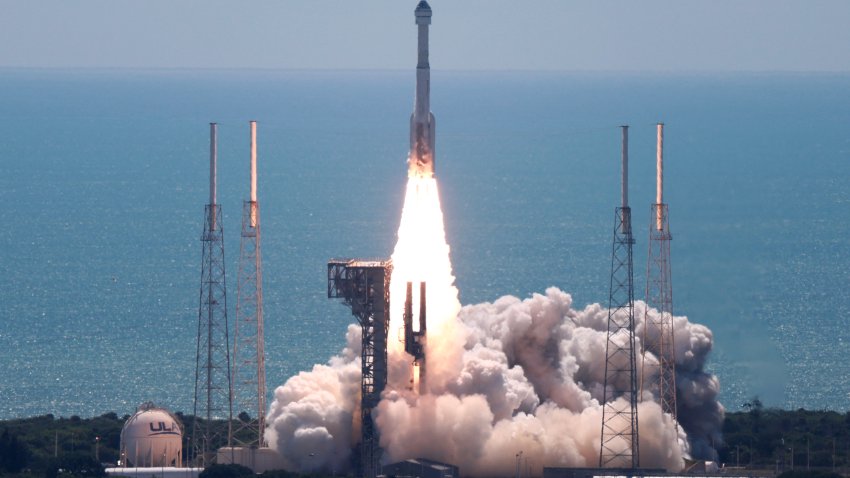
755	437
784	439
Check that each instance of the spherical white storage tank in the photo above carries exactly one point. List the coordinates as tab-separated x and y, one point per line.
152	437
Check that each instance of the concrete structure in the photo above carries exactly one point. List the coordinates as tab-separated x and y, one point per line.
152	437
420	468
159	472
259	460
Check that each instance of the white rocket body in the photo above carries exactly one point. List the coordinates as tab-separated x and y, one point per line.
420	162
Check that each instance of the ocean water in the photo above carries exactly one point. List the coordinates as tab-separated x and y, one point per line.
103	181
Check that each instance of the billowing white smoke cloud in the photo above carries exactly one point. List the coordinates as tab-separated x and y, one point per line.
529	379
312	419
503	377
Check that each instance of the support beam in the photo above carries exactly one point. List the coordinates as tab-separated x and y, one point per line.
365	287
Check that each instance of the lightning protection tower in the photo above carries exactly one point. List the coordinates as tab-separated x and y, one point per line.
619	447
660	377
249	365
365	287
212	366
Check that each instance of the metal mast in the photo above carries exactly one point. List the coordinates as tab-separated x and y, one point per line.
212	366
619	447
365	287
249	366
658	330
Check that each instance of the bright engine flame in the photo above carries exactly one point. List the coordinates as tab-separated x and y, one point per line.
422	255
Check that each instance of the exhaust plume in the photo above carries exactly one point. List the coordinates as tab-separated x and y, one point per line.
503	377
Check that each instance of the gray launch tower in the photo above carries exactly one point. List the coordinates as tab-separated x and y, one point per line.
365	287
658	332
619	447
249	365
213	390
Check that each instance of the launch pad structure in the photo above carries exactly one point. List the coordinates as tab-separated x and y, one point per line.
249	363
416	340
619	437
213	391
658	331
365	287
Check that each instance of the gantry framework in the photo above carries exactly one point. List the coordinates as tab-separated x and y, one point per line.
249	366
660	378
365	287
212	363
619	438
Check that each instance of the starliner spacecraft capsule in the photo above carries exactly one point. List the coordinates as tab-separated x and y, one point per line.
420	162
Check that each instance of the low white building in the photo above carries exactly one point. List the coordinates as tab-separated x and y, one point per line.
161	472
258	460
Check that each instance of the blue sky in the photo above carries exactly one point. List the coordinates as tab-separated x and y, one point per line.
648	35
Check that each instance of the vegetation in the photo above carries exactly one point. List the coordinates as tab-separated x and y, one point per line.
800	443
47	446
783	440
809	474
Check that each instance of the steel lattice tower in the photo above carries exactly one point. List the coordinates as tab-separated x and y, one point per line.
249	366
619	447
212	367
658	339
365	287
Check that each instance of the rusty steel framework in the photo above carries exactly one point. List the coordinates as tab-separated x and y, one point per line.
619	437
365	287
249	368
658	329
249	364
658	337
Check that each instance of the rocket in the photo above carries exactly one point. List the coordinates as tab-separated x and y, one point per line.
416	341
420	161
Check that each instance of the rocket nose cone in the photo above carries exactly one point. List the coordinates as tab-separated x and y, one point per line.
423	9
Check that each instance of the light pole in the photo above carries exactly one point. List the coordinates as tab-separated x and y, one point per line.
310	460
518	464
792	457
97	449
